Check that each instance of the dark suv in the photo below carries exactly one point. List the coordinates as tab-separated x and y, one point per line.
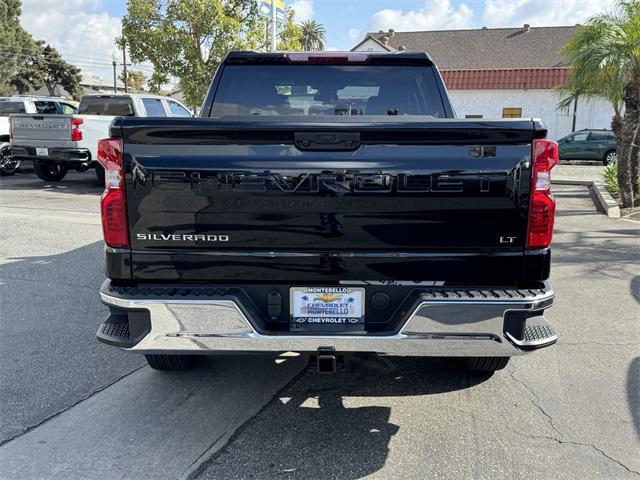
589	145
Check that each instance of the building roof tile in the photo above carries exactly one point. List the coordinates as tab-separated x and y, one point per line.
519	78
485	49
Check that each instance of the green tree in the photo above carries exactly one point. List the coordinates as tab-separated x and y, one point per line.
290	37
312	36
28	74
57	72
605	63
135	80
187	39
15	44
45	66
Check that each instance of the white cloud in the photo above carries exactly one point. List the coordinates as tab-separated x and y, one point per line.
82	35
515	13
354	34
303	10
443	15
436	15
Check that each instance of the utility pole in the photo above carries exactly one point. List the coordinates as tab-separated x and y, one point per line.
273	25
124	65
115	85
575	112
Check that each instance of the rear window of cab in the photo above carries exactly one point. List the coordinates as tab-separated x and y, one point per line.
8	108
117	106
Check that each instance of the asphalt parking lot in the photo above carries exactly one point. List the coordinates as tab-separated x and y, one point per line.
76	409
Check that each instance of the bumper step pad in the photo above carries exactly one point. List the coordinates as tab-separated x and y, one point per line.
124	329
115	331
538	333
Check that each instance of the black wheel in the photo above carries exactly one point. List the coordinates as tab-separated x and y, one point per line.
100	174
485	364
610	157
49	171
8	164
173	362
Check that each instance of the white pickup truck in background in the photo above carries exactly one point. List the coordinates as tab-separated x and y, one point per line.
25	104
59	143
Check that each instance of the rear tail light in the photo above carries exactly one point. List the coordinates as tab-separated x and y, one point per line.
542	205
76	131
113	205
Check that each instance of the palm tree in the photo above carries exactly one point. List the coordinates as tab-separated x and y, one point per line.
605	62
312	36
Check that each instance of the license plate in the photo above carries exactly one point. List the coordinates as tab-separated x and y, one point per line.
331	308
42	151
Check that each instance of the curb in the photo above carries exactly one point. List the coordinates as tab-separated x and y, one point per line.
604	198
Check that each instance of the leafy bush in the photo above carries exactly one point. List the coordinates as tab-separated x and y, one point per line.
610	175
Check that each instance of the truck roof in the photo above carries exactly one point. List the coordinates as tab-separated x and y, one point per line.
126	95
31	98
375	58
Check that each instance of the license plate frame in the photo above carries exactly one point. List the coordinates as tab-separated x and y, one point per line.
42	151
345	315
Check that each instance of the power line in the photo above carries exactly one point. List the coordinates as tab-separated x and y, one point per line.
80	63
4	50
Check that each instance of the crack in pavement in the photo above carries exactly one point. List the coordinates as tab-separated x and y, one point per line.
536	402
67	408
559	438
547	437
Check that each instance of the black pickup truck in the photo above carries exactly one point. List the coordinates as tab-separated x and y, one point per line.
327	203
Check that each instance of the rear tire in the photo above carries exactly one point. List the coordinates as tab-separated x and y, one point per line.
172	363
100	174
610	157
8	164
485	364
49	171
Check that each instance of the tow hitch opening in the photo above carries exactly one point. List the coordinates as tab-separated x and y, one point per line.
326	360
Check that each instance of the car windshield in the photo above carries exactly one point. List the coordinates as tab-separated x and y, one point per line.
117	106
7	108
327	90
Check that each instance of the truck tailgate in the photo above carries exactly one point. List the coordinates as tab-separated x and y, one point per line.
298	201
41	130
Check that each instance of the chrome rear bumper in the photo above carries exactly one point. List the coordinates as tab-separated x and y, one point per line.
444	323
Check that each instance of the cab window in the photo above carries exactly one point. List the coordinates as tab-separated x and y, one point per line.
327	90
7	108
68	109
600	136
579	137
46	107
154	107
178	110
107	105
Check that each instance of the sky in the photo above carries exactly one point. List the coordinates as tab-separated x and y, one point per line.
84	30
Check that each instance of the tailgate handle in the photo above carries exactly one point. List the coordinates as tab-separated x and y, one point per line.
327	140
